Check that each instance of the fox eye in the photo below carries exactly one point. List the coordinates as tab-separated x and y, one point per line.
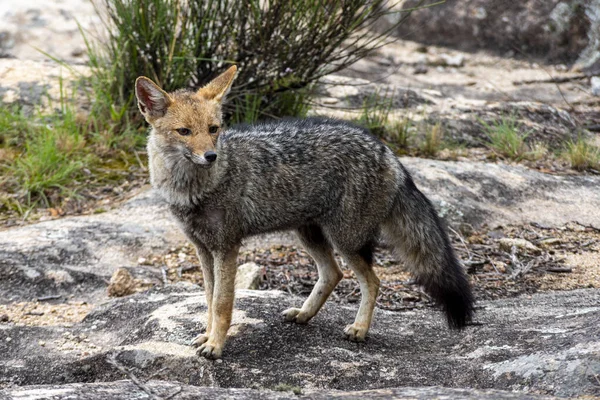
184	131
213	129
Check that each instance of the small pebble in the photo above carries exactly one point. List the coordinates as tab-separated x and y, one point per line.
595	82
4	318
420	69
501	267
550	241
506	244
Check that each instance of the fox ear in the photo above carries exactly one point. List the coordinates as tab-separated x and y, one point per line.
219	87
152	100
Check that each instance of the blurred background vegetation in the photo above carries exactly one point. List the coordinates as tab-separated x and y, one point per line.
281	47
70	156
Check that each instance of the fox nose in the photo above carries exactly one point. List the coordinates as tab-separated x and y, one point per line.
210	156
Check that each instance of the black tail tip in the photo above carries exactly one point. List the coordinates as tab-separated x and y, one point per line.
458	304
455	299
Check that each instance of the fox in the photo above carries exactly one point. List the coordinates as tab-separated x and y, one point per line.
338	187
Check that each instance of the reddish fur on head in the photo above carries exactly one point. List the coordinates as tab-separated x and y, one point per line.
192	119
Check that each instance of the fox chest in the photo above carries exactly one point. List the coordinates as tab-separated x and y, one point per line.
207	225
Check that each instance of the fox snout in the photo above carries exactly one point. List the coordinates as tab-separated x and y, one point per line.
210	156
205	159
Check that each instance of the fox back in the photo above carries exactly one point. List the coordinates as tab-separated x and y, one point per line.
282	175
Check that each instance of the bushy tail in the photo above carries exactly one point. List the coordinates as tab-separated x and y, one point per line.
417	233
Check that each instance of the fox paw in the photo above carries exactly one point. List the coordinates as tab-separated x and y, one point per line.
199	340
210	351
355	333
295	315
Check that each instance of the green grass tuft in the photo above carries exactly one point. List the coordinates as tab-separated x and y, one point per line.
582	155
47	153
434	136
537	151
286	387
43	155
400	133
375	112
505	138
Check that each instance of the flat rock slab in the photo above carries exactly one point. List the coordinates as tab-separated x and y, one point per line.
125	390
76	256
544	344
488	193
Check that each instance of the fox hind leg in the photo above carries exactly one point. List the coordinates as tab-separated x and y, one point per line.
361	264
330	274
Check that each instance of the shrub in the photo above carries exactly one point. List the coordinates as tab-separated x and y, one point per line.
279	46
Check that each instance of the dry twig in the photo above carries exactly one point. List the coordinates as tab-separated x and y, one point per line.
112	360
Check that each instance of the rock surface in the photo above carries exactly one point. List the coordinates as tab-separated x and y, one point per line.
122	283
28	28
39	84
595	83
487	193
546	344
486	89
77	256
125	390
556	30
85	250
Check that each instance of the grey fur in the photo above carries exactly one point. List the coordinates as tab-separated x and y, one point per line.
316	172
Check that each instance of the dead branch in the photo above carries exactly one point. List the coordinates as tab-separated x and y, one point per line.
113	361
562	79
592	227
51	297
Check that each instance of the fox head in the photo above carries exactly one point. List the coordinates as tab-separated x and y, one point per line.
185	123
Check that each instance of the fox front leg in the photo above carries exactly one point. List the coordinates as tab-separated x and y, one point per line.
207	265
225	268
